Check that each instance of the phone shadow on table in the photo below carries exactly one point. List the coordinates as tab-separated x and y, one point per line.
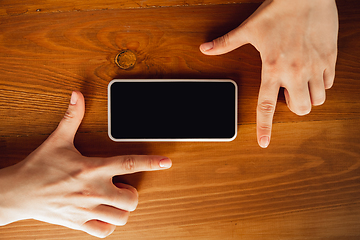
99	144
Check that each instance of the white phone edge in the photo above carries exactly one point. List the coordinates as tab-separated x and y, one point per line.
174	139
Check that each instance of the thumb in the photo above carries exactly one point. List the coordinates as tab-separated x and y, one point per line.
230	41
68	126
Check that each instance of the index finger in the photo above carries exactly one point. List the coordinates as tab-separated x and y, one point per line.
121	165
268	94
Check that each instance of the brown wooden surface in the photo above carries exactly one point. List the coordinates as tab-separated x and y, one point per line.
15	7
306	185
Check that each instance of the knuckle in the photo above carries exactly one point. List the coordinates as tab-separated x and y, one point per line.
264	127
329	84
223	41
303	109
127	197
266	107
87	193
134	192
133	205
329	77
69	115
132	199
103	233
270	63
298	67
128	163
318	101
150	163
123	219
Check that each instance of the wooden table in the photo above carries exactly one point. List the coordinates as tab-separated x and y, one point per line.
306	185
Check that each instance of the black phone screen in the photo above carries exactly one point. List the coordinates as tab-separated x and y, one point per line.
172	110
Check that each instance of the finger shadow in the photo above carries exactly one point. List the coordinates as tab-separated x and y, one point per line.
281	95
100	145
129	179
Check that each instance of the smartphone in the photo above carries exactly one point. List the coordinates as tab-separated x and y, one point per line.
172	110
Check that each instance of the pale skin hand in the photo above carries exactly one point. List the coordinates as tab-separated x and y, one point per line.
297	41
56	184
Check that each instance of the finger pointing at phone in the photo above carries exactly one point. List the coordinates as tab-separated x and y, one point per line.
297	41
56	184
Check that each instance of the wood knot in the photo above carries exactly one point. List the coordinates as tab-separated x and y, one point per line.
125	59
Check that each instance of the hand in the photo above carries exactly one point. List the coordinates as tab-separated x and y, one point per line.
297	41
58	185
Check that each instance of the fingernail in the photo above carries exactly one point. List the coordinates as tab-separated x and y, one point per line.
264	142
207	46
73	98
165	163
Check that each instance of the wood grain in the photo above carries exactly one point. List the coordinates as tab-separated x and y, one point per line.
66	51
14	8
304	186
